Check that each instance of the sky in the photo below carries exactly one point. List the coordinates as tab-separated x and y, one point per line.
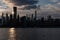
22	3
44	7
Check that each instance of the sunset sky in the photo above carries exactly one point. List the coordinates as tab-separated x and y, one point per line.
46	6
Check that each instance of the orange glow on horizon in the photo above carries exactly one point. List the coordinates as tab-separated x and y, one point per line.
8	3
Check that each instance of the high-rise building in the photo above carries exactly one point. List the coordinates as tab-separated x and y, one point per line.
26	16
49	17
10	17
3	18
32	17
35	14
15	12
42	19
7	17
18	18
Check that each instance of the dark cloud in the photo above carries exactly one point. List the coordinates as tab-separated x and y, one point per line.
23	2
29	7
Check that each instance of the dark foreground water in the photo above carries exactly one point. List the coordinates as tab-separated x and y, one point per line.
29	33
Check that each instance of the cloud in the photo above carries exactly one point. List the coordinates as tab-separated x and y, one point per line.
54	0
45	10
50	9
50	6
43	2
20	3
28	7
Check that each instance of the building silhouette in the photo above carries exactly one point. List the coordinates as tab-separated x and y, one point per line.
11	17
18	18
35	15
15	12
32	17
3	18
7	18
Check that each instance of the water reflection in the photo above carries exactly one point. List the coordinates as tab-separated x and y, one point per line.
32	34
12	34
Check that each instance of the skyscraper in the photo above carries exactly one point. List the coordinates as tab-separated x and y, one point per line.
3	18
15	12
32	17
10	17
18	18
35	14
7	17
49	17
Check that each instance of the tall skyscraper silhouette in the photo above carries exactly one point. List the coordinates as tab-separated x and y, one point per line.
3	18
11	17
49	17
15	12
35	14
32	17
7	17
18	18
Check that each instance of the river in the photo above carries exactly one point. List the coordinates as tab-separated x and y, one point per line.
29	33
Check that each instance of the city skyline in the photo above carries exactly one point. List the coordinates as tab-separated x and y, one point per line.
14	20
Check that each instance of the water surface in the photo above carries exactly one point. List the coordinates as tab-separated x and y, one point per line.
29	33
